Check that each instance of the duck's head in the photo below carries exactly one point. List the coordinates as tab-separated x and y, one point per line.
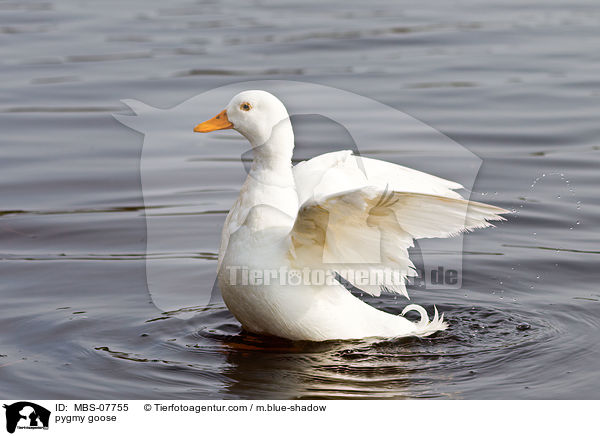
255	114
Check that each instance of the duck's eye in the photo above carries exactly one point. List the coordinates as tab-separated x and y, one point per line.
245	107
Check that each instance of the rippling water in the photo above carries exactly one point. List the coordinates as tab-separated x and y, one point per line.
517	84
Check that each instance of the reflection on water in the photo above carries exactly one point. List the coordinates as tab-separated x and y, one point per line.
480	341
517	86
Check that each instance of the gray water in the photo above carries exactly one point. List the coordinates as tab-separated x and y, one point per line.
517	83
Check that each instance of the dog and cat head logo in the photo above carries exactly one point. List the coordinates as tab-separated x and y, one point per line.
26	415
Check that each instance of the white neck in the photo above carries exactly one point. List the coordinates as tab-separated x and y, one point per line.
270	183
272	160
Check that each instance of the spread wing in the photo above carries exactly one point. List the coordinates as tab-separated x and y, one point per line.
359	216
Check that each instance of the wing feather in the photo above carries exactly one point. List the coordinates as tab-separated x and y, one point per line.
363	214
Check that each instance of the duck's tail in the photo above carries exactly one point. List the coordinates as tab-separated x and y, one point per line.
424	327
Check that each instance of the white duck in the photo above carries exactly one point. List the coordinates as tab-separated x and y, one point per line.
336	212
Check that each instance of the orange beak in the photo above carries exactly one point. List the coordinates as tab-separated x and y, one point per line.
219	122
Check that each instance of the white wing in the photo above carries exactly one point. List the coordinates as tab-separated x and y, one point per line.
341	171
363	214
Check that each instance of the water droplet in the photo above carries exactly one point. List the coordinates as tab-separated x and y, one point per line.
558	196
524	326
578	222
